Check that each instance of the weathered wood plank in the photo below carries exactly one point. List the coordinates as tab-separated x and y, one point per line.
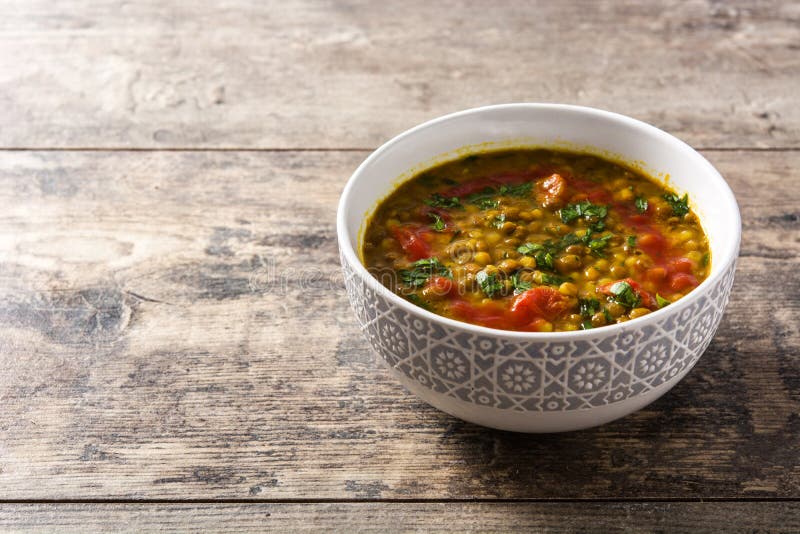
293	74
405	517
173	326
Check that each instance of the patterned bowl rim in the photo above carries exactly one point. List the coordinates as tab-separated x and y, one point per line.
348	250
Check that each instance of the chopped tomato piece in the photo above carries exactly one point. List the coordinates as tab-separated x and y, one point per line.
412	240
491	315
680	265
592	191
441	285
599	196
656	274
679	281
539	302
638	219
653	243
551	190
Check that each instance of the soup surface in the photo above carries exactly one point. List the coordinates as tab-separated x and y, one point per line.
536	240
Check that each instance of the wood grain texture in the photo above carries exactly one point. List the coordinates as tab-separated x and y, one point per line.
299	73
404	517
173	325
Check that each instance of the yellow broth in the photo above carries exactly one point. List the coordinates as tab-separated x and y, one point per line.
536	240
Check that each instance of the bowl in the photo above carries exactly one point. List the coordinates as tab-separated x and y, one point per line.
532	381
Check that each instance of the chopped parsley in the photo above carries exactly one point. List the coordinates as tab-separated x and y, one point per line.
631	241
588	307
520	286
529	249
438	223
662	301
607	314
641	204
545	260
487	203
569	239
489	283
624	294
597	227
543	254
484	199
704	260
552	279
679	205
438	201
422	270
597	245
583	210
519	190
498	221
587	325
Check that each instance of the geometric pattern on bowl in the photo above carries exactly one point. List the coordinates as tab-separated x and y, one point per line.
537	376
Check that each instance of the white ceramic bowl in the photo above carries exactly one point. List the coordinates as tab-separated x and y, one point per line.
539	382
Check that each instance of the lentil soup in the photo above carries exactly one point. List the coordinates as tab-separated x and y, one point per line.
536	240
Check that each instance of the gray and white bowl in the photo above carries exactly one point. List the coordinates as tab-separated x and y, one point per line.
539	382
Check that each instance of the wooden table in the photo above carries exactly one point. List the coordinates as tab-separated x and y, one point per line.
176	347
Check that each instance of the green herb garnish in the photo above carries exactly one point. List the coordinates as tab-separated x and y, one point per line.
597	227
545	260
607	314
438	201
489	283
484	199
679	205
438	223
519	190
631	241
597	245
567	240
520	286
498	221
704	260
625	295
552	279
546	252
530	249
588	307
422	270
662	301
587	325
487	203
641	204
585	210
543	254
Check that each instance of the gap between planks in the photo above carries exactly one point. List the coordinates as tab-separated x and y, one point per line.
312	149
632	500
